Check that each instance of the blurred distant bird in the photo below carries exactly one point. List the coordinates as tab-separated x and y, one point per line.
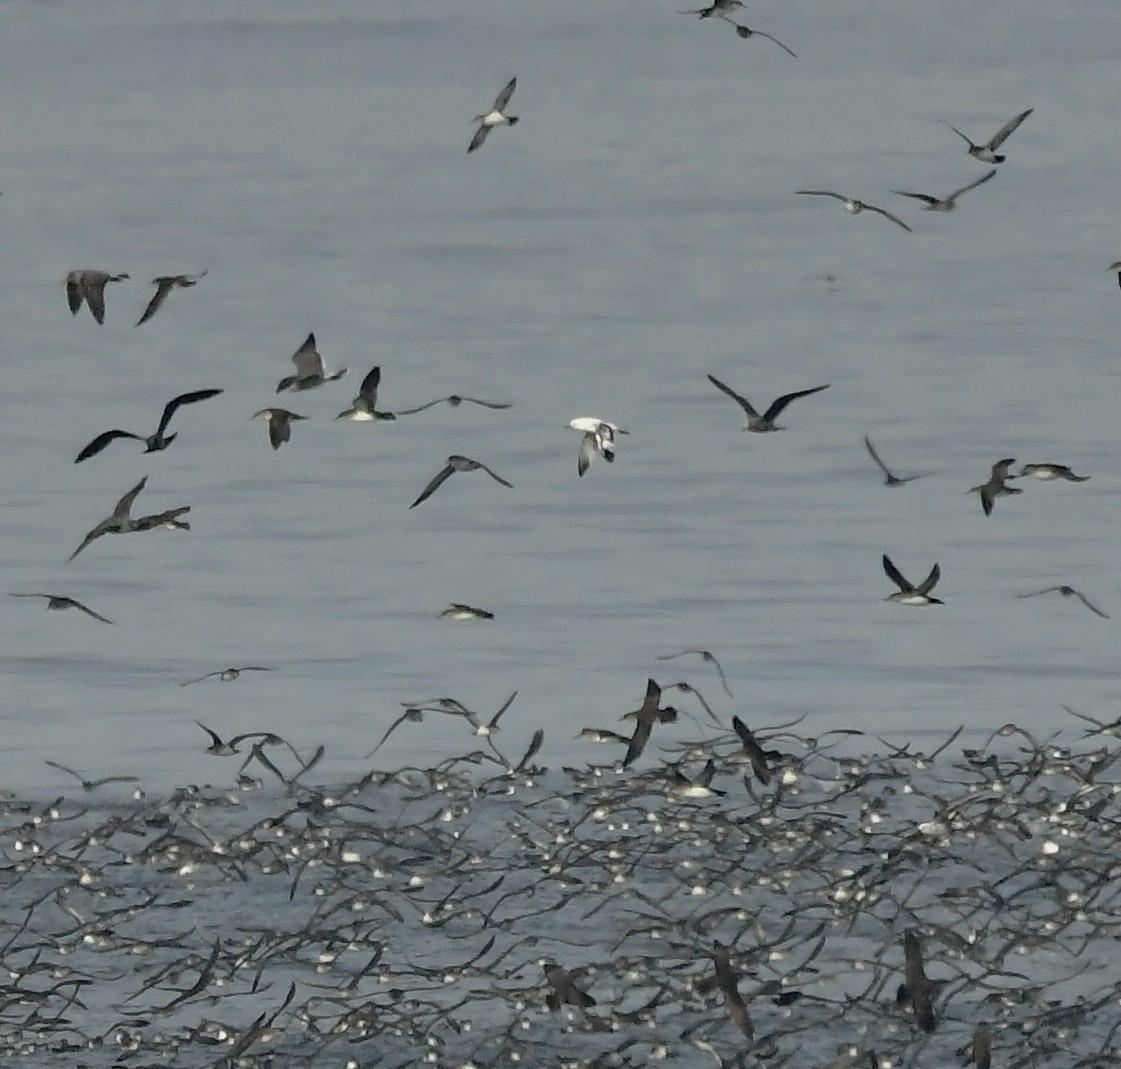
310	371
853	206
890	478
455	401
720	9
745	33
59	601
164	285
120	522
154	443
454	464
227	675
280	424
761	424
996	486
458	611
495	117
986	152
945	204
1050	472
88	284
1067	592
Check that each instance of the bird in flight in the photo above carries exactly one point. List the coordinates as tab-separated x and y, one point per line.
455	401
364	408
908	593
454	464
1067	592
705	656
996	486
745	33
88	284
60	602
89	785
495	117
1049	472
945	204
164	285
121	522
599	438
153	443
986	152
310	371
760	424
853	206
227	675
720	9
890	478
280	424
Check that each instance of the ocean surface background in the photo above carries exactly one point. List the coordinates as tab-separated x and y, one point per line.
635	231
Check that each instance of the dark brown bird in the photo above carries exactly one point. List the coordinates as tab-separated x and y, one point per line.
996	486
454	464
121	522
60	601
88	284
164	285
153	443
280	424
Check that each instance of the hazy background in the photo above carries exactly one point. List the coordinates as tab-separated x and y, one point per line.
635	231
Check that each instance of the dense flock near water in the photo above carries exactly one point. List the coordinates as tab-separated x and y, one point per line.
922	867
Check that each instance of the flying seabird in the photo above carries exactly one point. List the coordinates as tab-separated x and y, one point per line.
60	601
563	989
455	401
766	422
89	785
760	759
707	657
745	33
908	593
945	204
1049	472
996	486
890	478
310	371
454	464
701	787
1067	592
227	675
88	284
280	424
644	719
228	749
599	437
1116	266
853	206
364	408
603	735
458	611
164	285
916	988
120	522
154	443
495	117
986	152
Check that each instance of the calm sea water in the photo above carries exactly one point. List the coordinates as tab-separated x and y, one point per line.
636	231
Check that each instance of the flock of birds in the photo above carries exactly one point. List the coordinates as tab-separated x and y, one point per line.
734	930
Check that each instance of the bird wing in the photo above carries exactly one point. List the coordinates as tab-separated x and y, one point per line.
930	582
148	523
217	741
74	294
93	536
183	399
420	408
1008	129
309	363
95	298
820	193
479	138
780	403
967	140
760	33
887	215
916	196
88	611
189	682
494	476
587	453
505	705
369	388
1000	468
280	428
101	441
434	485
876	457
743	402
163	288
124	506
503	98
972	185
986	500
1090	605
895	575
488	404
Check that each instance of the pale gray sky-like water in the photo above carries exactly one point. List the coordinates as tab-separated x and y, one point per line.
635	231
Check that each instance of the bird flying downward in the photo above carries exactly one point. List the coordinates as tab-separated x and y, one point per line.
164	285
495	117
454	464
986	152
153	443
908	593
760	424
645	717
280	424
